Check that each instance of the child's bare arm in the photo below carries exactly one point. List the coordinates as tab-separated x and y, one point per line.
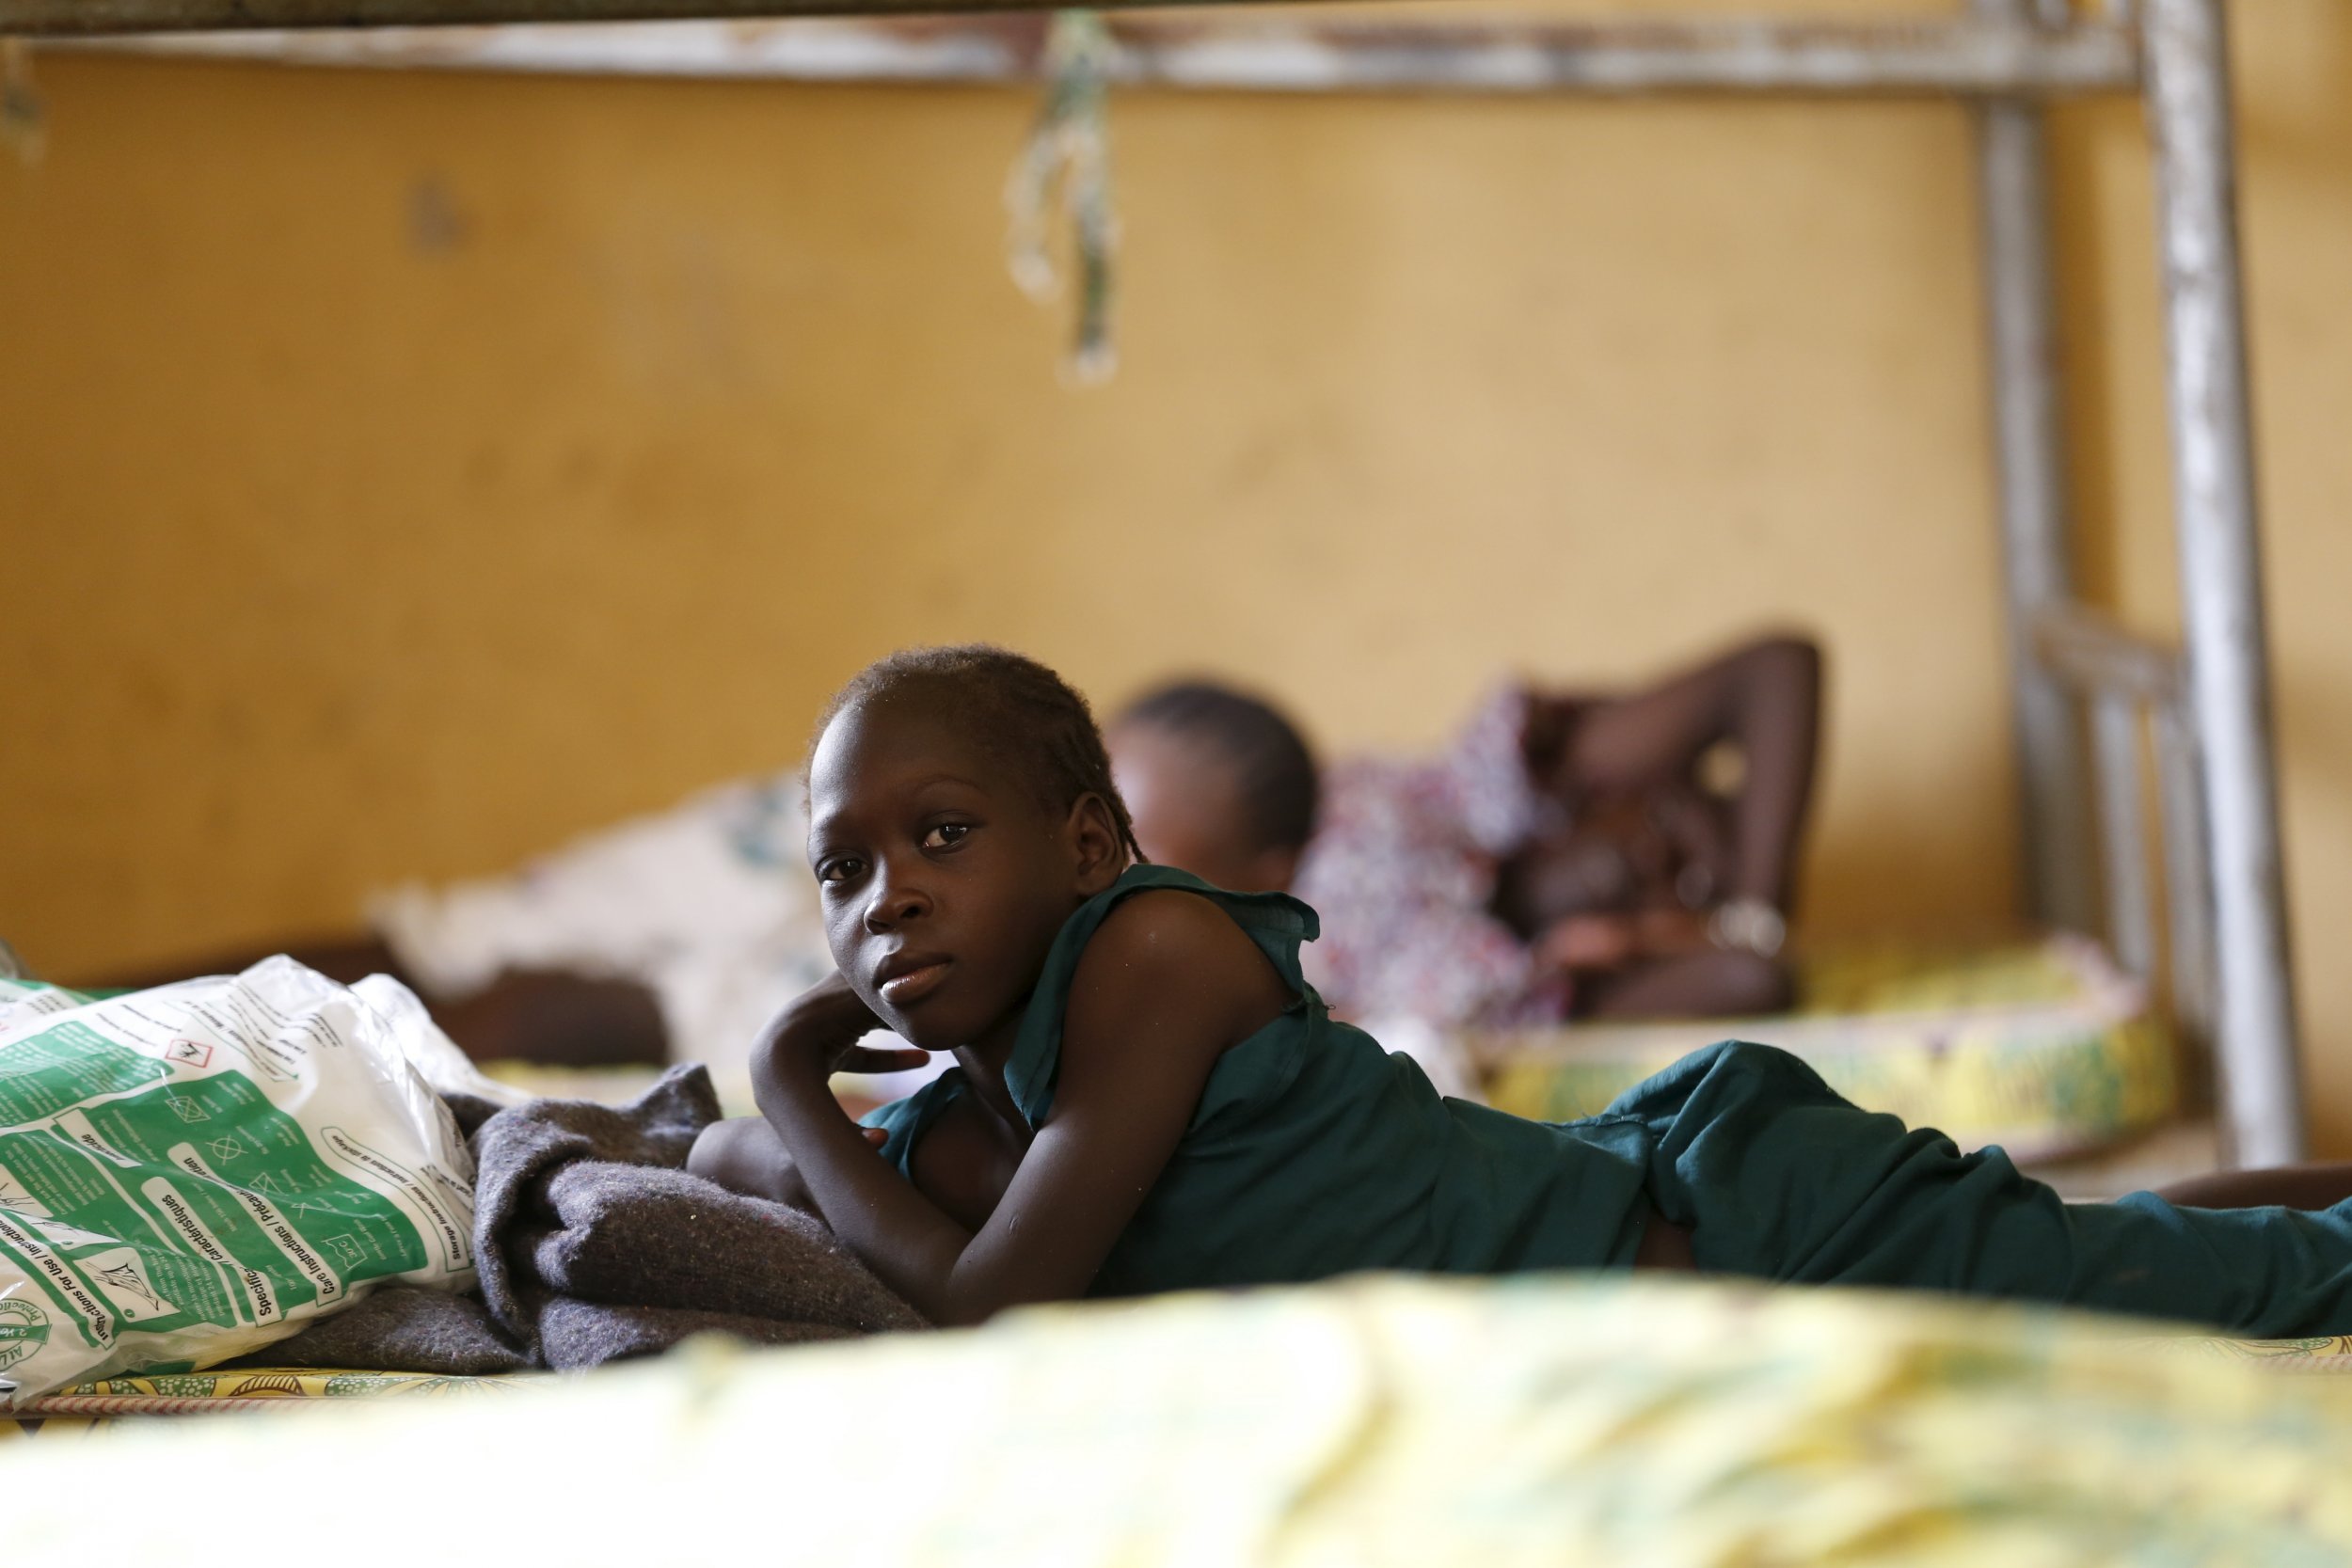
1766	697
1166	983
965	1160
745	1155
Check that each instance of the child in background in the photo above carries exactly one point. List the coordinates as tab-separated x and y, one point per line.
1219	784
1569	855
1148	1096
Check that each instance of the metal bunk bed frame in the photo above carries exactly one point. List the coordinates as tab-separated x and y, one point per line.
2074	677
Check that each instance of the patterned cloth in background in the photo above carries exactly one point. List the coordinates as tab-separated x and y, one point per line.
1401	870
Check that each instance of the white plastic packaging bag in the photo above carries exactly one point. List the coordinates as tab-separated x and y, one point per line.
190	1172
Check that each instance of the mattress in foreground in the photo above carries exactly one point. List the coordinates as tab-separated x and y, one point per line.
1557	1420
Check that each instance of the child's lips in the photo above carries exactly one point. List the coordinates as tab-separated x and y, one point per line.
903	990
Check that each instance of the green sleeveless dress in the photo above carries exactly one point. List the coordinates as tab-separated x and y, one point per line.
1315	1152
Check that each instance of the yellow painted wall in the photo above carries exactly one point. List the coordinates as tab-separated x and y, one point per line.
399	473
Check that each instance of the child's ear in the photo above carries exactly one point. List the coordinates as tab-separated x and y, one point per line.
1095	842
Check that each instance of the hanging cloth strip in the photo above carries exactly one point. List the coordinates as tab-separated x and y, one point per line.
1068	158
21	122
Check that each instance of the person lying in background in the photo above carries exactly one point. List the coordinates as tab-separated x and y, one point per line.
1569	855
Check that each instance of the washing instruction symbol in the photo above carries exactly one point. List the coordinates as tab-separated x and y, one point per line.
23	1329
123	1277
193	1053
188	1110
223	1149
346	1248
267	1183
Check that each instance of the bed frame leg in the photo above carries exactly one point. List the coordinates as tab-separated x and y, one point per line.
2213	472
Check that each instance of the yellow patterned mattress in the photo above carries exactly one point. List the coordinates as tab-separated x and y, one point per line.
1540	1420
2047	1048
88	1408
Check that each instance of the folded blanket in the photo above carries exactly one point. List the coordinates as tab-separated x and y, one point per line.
593	1243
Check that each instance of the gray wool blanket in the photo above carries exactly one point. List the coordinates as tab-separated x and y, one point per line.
595	1243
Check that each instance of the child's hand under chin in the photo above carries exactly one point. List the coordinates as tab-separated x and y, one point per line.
816	1036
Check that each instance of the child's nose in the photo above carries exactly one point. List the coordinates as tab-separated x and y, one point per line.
895	901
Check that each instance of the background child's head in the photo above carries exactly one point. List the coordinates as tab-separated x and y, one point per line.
961	807
1220	783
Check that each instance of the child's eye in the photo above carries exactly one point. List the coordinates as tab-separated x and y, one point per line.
947	836
839	870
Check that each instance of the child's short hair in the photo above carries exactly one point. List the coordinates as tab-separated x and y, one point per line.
1012	705
1271	761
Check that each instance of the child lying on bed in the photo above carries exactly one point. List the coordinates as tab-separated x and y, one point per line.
1150	1097
1565	856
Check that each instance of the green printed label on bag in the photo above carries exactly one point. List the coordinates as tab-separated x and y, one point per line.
64	1065
190	1172
23	1329
199	1201
42	1265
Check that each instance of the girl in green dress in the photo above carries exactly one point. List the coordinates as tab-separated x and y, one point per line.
1148	1095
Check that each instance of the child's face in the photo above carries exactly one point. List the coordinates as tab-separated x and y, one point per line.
943	879
1187	810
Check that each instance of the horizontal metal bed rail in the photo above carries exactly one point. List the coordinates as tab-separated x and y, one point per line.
1983	55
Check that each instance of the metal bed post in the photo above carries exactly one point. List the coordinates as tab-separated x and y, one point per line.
2213	479
2029	449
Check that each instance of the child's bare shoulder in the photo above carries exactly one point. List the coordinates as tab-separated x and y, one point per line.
1171	947
1166	918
